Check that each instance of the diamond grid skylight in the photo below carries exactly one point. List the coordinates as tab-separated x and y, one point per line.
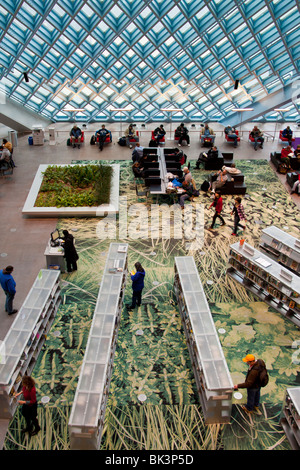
96	56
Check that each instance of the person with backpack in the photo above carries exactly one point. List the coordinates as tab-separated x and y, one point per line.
257	377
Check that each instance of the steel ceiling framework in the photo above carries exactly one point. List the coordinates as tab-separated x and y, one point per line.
95	56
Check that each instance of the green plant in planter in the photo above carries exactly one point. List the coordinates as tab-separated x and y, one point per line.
75	186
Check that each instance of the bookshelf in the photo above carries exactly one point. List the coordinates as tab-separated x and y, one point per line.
26	336
290	417
267	279
281	246
87	415
211	372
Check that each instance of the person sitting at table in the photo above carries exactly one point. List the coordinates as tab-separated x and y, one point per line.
297	152
159	133
296	186
137	169
187	193
287	133
207	133
203	157
137	153
130	133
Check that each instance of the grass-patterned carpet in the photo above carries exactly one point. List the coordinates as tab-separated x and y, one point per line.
157	362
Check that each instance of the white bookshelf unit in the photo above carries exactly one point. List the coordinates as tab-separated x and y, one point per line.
88	410
290	417
25	338
281	246
267	279
211	372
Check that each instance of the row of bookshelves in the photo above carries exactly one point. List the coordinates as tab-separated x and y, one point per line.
88	411
290	417
211	373
26	337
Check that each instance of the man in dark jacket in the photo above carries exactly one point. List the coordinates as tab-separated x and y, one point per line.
252	383
137	285
70	253
9	286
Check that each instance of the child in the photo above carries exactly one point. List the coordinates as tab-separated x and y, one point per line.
239	214
218	205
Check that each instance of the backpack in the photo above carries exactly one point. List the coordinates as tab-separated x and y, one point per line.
93	140
122	141
263	374
204	186
153	143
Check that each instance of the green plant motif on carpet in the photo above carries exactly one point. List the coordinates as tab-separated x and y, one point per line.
157	362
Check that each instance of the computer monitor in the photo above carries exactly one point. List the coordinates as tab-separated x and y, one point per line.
55	235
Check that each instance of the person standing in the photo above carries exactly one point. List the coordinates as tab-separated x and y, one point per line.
70	253
218	205
137	285
252	382
239	214
29	405
8	284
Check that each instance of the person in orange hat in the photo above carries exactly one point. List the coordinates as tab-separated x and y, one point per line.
252	383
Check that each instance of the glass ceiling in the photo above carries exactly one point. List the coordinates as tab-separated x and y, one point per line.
94	57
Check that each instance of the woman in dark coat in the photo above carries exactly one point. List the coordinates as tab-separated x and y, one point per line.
70	255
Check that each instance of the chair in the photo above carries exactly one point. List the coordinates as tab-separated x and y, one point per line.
95	139
7	169
162	140
285	139
232	140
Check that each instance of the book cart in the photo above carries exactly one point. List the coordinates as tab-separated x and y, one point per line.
267	279
281	246
87	415
211	372
290	417
26	336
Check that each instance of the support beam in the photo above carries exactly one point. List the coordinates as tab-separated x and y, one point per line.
277	99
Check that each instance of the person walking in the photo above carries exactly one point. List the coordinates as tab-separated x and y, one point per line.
252	382
70	253
29	405
218	205
8	284
239	214
137	285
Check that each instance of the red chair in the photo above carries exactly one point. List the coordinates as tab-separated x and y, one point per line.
207	141
162	139
232	140
95	138
76	140
251	138
133	139
285	139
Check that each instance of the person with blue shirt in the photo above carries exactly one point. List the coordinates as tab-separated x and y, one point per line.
137	285
102	134
8	284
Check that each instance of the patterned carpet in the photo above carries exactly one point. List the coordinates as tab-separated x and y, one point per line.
157	362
